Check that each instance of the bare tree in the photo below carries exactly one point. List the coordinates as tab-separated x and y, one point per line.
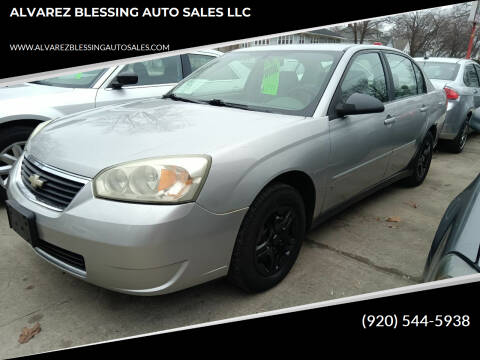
355	33
361	30
454	33
419	28
436	32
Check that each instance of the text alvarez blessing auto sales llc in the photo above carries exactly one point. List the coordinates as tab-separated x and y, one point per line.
99	12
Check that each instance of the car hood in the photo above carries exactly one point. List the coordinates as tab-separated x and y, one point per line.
28	90
88	142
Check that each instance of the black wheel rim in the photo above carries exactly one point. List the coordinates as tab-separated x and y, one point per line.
424	160
277	241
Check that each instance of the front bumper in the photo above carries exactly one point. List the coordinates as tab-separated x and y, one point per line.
135	248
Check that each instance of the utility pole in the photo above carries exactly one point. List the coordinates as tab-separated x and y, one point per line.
473	18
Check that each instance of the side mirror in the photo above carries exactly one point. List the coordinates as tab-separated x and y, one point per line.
475	120
126	78
359	104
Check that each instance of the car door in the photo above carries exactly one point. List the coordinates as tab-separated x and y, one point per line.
474	83
409	110
360	144
155	78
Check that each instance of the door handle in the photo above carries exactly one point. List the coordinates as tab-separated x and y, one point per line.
424	108
389	120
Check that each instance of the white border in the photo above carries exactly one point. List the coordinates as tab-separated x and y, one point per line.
368	296
374	295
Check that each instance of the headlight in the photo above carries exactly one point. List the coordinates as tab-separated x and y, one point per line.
161	180
38	129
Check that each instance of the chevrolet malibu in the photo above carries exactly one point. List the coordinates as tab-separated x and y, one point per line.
224	174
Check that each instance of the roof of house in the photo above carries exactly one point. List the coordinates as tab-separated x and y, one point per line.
325	32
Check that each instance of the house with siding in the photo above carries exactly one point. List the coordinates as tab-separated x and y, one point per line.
309	37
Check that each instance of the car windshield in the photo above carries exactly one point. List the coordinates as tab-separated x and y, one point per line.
286	82
79	80
440	70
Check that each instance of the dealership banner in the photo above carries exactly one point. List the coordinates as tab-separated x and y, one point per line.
57	35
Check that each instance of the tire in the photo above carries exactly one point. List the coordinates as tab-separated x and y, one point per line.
9	136
456	145
421	164
269	239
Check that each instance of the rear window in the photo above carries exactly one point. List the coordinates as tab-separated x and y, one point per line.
439	70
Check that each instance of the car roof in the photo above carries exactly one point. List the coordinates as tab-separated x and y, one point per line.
207	52
321	46
442	59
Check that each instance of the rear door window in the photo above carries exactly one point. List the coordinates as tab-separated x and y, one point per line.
155	72
470	77
198	60
421	87
403	73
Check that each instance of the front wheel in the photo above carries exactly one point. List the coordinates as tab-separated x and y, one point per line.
12	143
421	164
269	239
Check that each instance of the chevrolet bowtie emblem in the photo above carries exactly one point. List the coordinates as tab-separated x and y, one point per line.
35	181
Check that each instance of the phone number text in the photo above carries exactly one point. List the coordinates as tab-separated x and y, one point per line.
414	320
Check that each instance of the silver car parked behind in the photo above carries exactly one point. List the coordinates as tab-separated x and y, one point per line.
24	106
460	79
223	176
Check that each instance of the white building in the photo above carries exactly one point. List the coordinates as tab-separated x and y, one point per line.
309	37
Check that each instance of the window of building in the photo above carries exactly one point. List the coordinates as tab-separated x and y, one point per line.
286	39
262	42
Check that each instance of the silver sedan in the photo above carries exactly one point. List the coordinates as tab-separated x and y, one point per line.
460	78
225	174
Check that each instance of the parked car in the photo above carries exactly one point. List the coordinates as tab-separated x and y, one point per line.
454	250
225	174
460	79
24	106
474	122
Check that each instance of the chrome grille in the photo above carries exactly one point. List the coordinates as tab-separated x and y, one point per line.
56	191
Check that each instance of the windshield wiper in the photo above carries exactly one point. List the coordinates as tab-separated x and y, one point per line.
179	98
219	102
215	102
